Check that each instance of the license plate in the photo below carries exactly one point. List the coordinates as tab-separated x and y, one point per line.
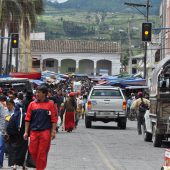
105	113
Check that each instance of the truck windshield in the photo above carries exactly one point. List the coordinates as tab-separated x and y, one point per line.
109	93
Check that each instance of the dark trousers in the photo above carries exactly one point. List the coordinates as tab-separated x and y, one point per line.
61	116
2	149
77	118
140	122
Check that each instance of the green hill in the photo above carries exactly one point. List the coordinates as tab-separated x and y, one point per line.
82	19
105	5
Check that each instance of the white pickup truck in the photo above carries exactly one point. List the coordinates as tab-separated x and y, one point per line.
106	104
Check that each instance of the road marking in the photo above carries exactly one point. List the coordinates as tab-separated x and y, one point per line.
105	160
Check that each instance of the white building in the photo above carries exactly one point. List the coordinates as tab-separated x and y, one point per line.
37	36
76	56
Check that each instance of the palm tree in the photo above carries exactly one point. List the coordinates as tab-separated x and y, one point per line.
18	16
9	14
30	8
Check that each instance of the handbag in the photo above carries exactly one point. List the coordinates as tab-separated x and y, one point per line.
29	161
143	107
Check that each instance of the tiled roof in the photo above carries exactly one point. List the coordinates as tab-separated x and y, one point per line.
74	46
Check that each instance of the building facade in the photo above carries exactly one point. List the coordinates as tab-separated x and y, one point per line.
76	56
167	42
165	31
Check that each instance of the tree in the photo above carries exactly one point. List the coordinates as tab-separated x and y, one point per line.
15	15
9	15
125	58
30	10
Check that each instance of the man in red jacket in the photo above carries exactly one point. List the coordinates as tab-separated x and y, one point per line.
41	120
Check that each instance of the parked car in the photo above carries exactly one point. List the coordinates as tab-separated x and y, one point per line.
18	84
106	104
157	119
135	89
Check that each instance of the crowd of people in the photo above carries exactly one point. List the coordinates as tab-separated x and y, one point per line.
29	120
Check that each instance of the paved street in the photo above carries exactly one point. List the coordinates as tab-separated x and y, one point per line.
104	147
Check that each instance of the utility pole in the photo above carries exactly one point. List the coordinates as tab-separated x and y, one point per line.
1	51
146	44
130	45
147	6
164	31
1	54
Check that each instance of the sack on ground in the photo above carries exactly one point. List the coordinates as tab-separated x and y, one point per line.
29	162
143	107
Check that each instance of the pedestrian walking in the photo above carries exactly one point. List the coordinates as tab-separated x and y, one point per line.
27	100
2	131
59	98
41	121
61	113
85	96
79	109
9	112
141	105
17	146
69	113
52	98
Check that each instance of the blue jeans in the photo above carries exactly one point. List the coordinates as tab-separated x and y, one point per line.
2	149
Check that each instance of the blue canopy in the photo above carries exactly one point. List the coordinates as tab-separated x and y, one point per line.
37	82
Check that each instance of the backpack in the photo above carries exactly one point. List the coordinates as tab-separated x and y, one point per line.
143	107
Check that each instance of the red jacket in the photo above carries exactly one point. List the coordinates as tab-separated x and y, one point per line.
41	115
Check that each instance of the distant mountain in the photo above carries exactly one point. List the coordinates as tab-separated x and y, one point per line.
105	5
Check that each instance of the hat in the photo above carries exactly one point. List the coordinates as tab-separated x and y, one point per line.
140	94
78	93
71	94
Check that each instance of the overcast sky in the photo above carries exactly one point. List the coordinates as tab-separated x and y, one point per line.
60	1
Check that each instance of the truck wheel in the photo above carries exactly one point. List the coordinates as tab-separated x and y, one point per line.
122	123
87	122
147	136
156	139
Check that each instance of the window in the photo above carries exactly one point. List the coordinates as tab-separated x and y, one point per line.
50	63
134	70
134	61
36	63
71	69
106	93
157	56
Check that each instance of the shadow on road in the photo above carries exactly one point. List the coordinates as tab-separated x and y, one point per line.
105	127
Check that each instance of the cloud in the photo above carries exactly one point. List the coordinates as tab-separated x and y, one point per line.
59	1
